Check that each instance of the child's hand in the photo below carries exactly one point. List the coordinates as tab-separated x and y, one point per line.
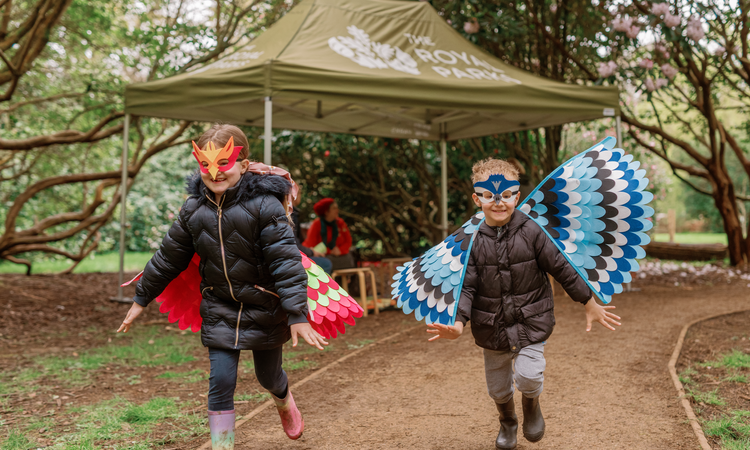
335	251
308	334
133	312
445	331
597	313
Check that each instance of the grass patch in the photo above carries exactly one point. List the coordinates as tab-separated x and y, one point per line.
42	424
686	376
145	348
299	365
734	360
709	398
118	423
733	430
257	397
16	441
736	378
155	409
193	376
96	262
693	238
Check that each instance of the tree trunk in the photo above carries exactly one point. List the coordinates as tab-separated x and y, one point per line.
726	203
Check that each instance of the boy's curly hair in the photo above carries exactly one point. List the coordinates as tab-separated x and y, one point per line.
482	170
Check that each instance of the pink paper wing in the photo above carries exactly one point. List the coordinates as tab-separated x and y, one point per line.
182	298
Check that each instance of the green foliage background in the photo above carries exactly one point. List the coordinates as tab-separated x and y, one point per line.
391	206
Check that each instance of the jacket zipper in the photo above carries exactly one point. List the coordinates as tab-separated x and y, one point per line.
226	274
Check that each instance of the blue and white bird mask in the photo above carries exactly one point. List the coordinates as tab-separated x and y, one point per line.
496	189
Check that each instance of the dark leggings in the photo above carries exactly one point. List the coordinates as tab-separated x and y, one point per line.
223	379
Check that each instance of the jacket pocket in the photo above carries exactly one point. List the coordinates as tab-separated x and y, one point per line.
483	327
538	320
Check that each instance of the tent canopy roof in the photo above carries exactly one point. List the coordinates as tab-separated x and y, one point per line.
369	67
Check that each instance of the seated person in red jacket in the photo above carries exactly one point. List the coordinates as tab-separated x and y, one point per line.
331	230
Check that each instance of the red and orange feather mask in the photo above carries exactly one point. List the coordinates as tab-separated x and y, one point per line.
212	155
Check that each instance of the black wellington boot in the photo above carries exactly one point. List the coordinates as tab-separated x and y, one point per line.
533	422
506	438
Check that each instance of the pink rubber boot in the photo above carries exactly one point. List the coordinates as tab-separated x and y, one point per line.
291	418
221	424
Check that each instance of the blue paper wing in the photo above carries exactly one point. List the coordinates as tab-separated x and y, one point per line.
430	286
595	210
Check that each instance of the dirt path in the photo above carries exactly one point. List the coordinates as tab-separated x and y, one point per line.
603	390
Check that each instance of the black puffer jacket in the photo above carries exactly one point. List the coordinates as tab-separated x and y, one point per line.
243	241
506	293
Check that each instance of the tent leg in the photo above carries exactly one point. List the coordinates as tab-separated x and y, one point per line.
444	187
123	206
268	133
618	128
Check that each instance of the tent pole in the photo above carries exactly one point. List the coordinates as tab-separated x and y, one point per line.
267	135
123	205
618	128
443	185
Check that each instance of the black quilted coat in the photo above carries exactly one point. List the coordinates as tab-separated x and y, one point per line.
247	251
506	292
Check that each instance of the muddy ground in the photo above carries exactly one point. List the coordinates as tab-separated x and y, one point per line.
603	389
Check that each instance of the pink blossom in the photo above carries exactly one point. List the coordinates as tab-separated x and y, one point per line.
553	8
170	215
718	51
671	20
669	71
622	24
646	63
632	32
659	9
607	69
661	48
472	26
661	82
694	29
650	85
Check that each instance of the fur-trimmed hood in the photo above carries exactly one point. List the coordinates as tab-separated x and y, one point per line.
251	185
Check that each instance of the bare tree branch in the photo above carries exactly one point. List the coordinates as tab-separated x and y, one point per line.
36	101
96	133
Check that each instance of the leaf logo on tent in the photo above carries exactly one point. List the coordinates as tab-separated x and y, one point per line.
373	55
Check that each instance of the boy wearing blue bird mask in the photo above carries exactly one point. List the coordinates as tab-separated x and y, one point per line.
508	298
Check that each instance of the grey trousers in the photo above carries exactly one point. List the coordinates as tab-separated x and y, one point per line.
529	372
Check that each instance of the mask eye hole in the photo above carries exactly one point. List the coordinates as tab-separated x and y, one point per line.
223	162
204	164
487	195
507	195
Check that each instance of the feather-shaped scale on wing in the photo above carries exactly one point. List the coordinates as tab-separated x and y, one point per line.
594	208
329	305
430	286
